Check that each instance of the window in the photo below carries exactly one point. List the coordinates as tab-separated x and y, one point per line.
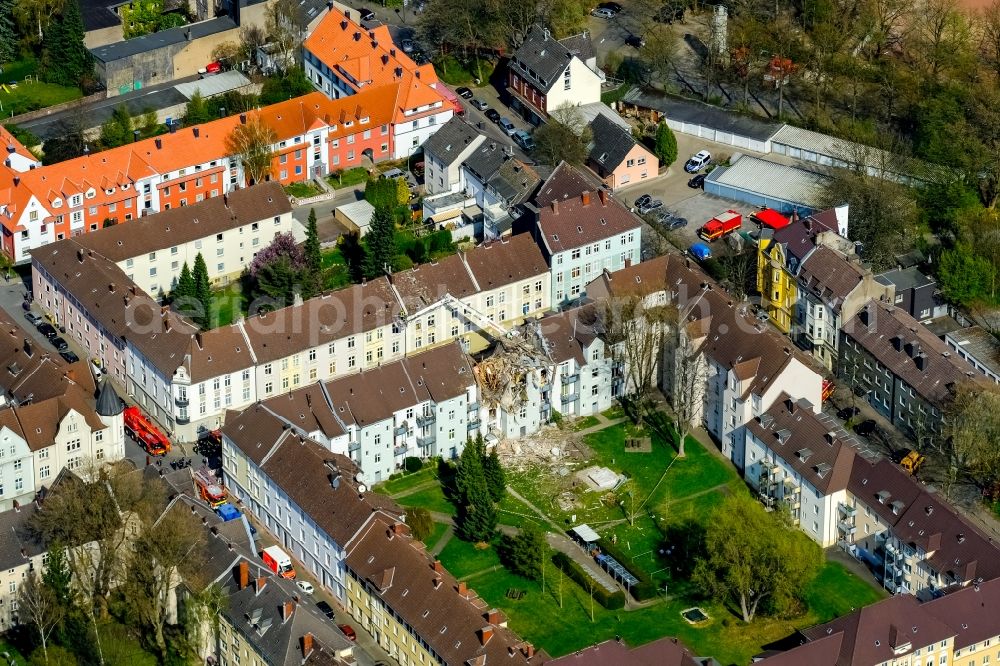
73	445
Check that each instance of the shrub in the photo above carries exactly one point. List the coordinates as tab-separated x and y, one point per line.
646	588
556	418
412	464
420	522
610	600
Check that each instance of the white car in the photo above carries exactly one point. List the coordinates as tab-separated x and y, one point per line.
305	586
603	13
698	161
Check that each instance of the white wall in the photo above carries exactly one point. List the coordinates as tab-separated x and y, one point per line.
585	87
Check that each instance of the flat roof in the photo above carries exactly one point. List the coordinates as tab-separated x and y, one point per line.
216	84
156	40
978	343
698	113
773	180
586	533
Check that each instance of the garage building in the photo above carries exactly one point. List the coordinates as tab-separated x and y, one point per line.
768	184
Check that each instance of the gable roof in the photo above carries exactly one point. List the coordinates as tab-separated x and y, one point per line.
610	144
830	275
662	652
541	59
564	182
451	140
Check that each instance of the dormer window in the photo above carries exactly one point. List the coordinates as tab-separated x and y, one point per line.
91	193
57	203
364	120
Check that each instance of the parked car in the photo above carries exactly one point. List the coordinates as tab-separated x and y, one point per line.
325	609
48	330
698	182
524	140
603	13
642	201
33	318
407	45
650	206
463	92
507	126
635	41
493	115
698	161
479	104
60	343
366	14
671	220
69	356
866	428
95	367
348	631
848	413
305	586
700	251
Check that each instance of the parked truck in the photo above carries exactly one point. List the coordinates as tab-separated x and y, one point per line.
278	561
209	487
721	225
145	434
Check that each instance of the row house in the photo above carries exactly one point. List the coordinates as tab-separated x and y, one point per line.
226	231
722	357
905	372
356	545
186	379
780	253
314	136
801	461
545	74
444	154
344	59
498	183
582	233
832	287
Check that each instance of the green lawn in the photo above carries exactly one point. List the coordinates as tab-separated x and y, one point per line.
613	412
836	591
227	304
32	95
462	558
15	656
348	178
303	190
513	512
435	536
585	422
407	481
431	498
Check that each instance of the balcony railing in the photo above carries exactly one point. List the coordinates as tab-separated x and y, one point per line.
473	425
847	527
182	401
400	450
426	419
848	510
401	431
571	378
474	406
354	446
426	440
570	397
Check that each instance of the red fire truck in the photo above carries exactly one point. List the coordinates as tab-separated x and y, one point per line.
721	225
145	434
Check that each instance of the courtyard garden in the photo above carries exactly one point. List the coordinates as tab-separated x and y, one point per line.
659	506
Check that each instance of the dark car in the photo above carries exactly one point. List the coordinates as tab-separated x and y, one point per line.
677	223
866	428
366	14
697	182
635	41
643	201
463	92
59	343
48	330
325	609
33	318
848	413
69	356
493	115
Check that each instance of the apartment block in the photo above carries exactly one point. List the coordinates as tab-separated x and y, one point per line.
905	372
498	183
444	153
21	552
344	59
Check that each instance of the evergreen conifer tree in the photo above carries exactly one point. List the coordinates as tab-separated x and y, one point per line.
65	58
380	242
184	289
313	256
202	292
496	480
8	34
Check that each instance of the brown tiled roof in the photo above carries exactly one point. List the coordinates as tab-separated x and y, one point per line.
823	651
830	275
425	284
662	652
800	237
871	634
641	279
349	311
38	374
506	261
970	612
307	410
38	422
451	620
188	223
568	333
255	431
571	223
897	341
565	182
816	447
884	487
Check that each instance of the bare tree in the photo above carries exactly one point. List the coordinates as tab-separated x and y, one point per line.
686	388
38	606
971	437
253	143
202	610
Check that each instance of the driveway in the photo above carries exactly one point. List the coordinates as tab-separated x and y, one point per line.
477	118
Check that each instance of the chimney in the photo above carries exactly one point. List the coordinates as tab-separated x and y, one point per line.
159	143
865	317
197	132
398	528
603	194
243	119
27	348
485	634
135	135
585	197
463	589
555	207
347	13
244	575
17	180
307	645
259	584
529	650
437	566
172	127
286	611
493	616
897	343
922	361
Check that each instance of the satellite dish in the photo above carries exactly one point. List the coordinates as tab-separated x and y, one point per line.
359	477
362	488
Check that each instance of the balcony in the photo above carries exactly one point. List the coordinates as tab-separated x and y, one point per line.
848	510
401	430
474	425
401	450
183	419
847	527
354	446
791	501
570	397
426	440
546	405
424	420
474	406
181	401
571	378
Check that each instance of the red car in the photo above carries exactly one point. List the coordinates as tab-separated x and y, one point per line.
348	631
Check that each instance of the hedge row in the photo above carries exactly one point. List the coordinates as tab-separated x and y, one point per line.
646	589
610	600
